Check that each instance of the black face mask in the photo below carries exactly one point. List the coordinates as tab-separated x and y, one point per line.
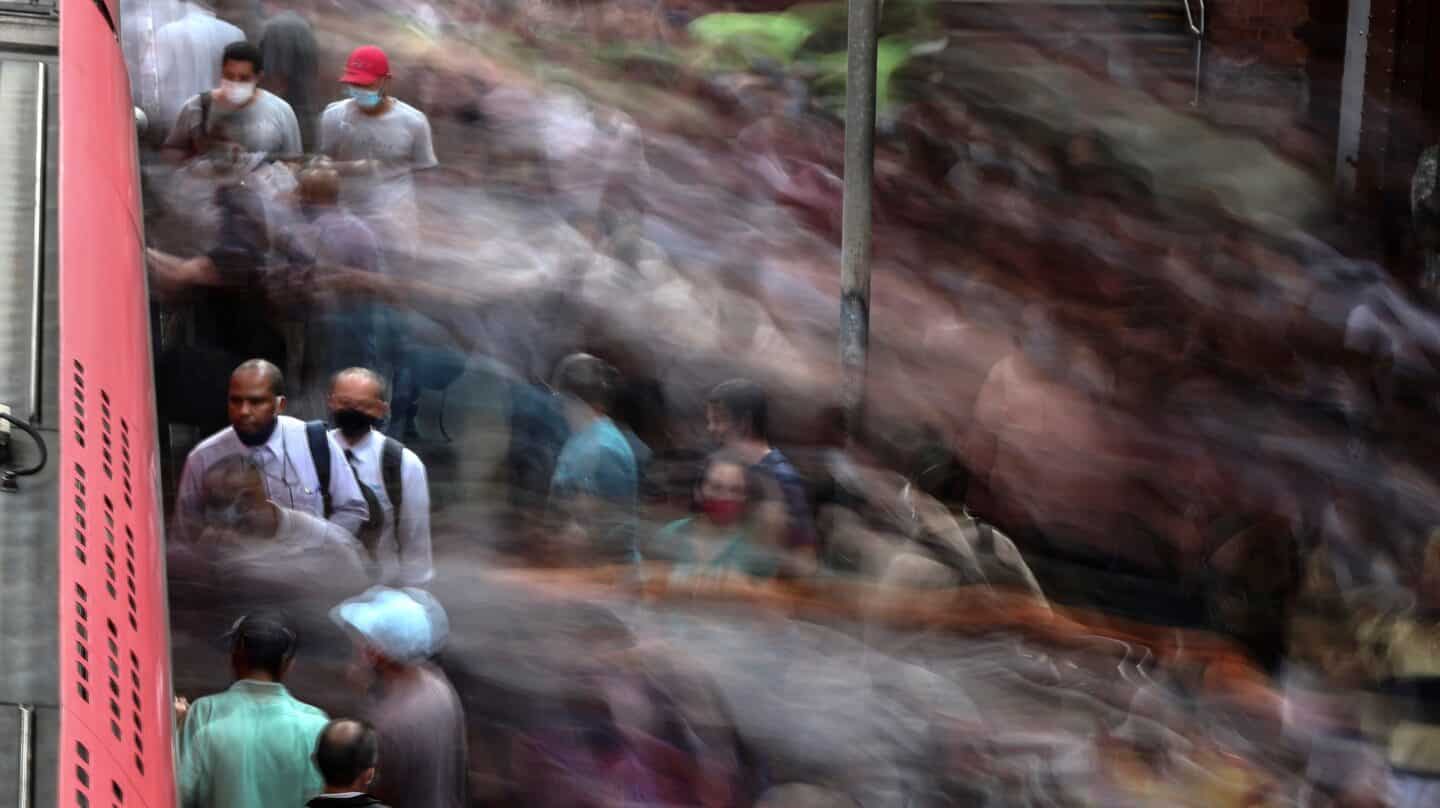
253	439
353	423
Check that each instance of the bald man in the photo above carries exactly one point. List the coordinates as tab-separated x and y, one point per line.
278	446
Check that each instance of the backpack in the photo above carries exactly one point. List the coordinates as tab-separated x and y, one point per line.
391	455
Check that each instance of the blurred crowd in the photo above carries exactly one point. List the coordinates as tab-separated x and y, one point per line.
531	310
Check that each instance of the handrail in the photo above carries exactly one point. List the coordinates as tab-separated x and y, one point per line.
25	787
37	265
1190	18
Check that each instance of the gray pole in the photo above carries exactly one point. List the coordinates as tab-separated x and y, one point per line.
855	233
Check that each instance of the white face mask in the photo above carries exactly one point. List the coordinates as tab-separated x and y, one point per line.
237	92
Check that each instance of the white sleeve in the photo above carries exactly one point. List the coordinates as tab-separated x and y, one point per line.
422	154
413	524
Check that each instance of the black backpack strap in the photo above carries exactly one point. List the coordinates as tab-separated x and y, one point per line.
320	455
201	141
391	456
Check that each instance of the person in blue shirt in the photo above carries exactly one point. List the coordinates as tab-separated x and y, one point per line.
737	418
594	489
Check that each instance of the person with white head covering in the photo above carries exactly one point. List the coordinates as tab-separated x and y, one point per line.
414	708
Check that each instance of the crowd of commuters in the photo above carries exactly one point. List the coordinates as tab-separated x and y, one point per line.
296	262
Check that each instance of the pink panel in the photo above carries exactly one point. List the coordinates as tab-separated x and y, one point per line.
116	730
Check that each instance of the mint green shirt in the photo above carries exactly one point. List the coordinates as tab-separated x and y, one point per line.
249	747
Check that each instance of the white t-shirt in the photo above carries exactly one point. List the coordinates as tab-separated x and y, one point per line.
266	125
400	138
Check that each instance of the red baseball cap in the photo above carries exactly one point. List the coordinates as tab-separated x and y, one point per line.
367	64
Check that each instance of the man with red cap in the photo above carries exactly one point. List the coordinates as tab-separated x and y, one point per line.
379	142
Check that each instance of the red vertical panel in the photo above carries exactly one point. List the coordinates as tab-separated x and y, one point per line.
115	695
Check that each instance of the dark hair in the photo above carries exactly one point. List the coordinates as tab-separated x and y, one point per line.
345	749
263	642
588	378
243	51
744	401
759	487
267	369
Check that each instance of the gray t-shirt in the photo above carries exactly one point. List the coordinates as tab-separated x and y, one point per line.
266	125
399	138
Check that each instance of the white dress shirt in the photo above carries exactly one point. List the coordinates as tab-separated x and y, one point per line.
182	62
291	480
405	562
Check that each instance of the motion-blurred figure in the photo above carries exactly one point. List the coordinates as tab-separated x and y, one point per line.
287	44
140	20
415	709
378	143
392	474
277	445
724	536
1409	663
251	745
737	417
238	113
183	62
596	483
248	535
348	756
343	327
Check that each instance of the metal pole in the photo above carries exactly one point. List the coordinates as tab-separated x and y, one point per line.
37	263
855	233
27	756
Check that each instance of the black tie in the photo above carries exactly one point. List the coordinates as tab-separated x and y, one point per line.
370	531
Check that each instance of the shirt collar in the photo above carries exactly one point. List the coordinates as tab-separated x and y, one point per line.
358	446
344	796
255	684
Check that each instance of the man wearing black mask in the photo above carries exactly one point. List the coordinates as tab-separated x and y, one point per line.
392	478
276	443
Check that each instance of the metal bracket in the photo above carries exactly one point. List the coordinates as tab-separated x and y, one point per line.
1197	30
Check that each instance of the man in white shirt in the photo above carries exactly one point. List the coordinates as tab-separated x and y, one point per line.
183	62
379	142
238	113
279	448
400	545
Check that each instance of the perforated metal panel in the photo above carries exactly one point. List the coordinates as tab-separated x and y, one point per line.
115	697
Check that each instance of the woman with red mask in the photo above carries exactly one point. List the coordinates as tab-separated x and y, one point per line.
723	537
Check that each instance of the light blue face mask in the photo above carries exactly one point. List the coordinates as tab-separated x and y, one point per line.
366	99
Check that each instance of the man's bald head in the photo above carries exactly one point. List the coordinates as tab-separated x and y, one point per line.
347	753
320	185
264	370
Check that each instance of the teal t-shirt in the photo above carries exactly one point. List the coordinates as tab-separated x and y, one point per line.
250	747
676	543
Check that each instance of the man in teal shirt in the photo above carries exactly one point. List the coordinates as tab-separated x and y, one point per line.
250	747
596	481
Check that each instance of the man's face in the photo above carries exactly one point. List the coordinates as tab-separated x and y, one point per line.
720	424
234	501
253	405
355	392
238	71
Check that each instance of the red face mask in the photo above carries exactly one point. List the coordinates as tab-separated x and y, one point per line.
724	512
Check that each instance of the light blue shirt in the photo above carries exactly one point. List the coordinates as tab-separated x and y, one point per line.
597	462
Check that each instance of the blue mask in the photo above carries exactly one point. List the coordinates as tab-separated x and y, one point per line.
365	99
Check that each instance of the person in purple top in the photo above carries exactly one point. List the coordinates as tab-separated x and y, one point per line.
736	417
